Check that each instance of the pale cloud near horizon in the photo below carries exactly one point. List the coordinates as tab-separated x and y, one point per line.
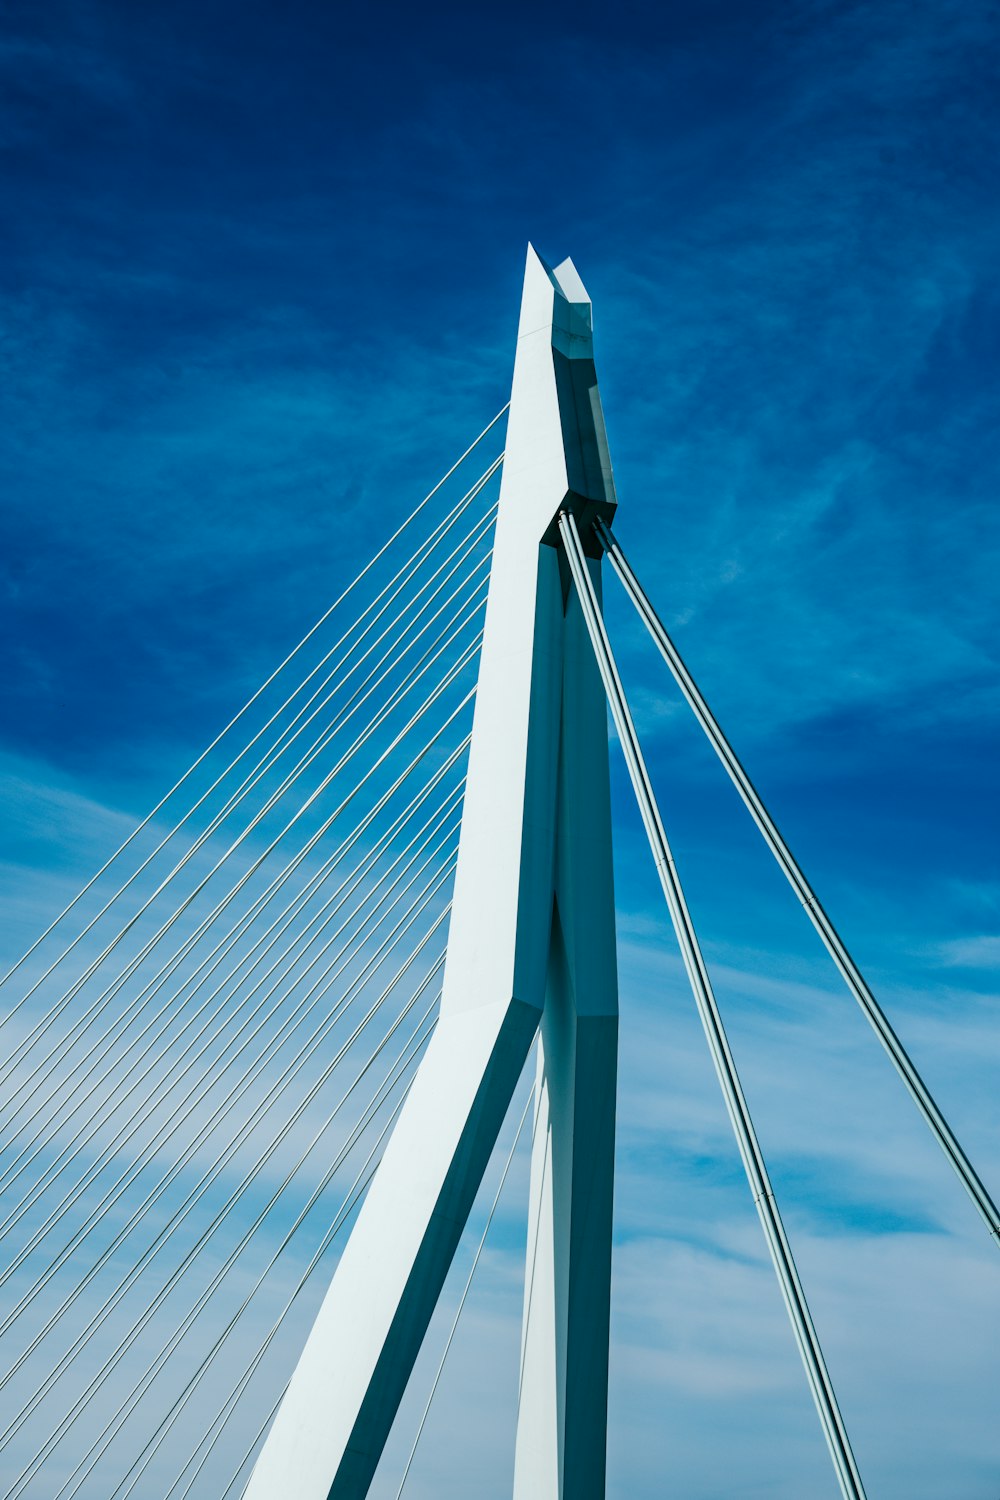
700	1336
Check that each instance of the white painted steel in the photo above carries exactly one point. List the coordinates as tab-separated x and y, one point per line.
806	1337
562	1403
534	750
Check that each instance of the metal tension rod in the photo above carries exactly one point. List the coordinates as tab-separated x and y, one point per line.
701	985
800	885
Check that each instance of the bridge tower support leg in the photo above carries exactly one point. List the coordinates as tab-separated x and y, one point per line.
531	943
561	1446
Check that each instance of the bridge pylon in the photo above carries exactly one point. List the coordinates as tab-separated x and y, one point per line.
531	949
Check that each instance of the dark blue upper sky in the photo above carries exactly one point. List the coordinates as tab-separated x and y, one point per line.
259	275
260	269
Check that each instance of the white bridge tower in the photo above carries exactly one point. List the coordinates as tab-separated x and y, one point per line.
531	947
131	1088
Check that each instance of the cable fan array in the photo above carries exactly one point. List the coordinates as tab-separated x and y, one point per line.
204	1054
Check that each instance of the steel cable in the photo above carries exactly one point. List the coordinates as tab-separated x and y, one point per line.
132	1276
237	1092
250	702
98	1005
319	920
358	1187
796	878
139	1001
272	934
465	1293
287	1024
821	1386
153	1369
441	687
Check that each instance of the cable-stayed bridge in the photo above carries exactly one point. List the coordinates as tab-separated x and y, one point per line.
254	1074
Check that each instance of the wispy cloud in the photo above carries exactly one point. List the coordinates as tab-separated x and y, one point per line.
981	952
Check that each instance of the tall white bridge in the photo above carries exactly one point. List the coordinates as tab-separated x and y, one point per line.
253	1076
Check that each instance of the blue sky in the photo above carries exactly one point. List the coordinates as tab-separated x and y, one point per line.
259	278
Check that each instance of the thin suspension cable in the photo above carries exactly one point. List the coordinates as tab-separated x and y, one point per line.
249	703
271	936
381	715
796	878
358	1188
82	1339
138	1001
396	650
141	999
83	1022
153	1369
70	1417
533	1239
103	1047
306	1051
348	884
202	1086
402	1061
818	1376
319	921
27	1248
358	1130
464	546
301	1009
192	768
457	666
465	1293
461	551
352	1196
236	1092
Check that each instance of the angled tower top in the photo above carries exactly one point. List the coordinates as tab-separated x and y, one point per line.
557	300
554	364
